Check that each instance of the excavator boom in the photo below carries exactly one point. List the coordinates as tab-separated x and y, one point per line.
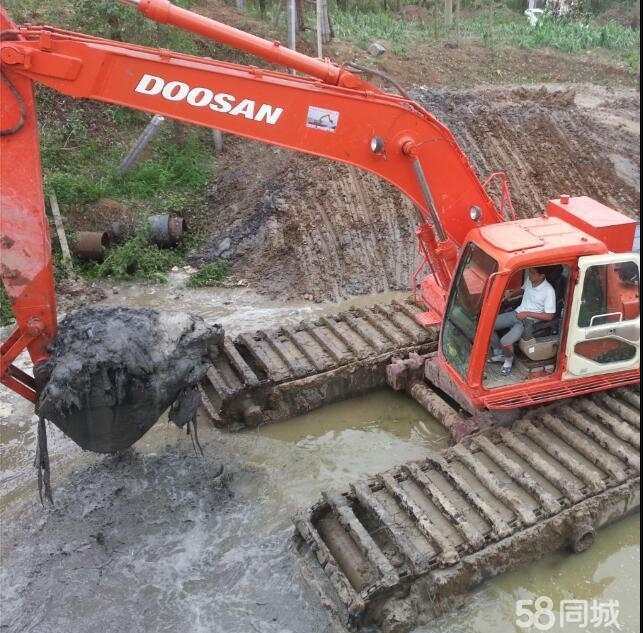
333	114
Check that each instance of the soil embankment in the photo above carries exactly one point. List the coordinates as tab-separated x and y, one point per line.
294	225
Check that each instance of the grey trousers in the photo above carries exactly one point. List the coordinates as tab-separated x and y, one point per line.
504	321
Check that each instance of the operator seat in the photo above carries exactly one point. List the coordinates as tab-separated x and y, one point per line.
541	339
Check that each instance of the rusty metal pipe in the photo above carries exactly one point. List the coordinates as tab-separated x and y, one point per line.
91	245
166	230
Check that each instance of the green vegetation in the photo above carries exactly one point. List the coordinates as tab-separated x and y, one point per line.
81	167
362	26
171	180
496	27
134	259
82	143
109	19
210	275
567	35
6	315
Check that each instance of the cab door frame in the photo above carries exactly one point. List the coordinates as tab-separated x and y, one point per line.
627	331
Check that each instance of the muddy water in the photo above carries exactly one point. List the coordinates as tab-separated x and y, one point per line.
609	571
238	309
160	540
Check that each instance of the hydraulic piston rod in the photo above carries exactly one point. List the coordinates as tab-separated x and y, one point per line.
165	12
428	197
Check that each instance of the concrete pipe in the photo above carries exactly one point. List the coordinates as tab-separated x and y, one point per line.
91	245
166	230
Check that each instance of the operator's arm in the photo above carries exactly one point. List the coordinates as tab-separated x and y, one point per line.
513	293
539	316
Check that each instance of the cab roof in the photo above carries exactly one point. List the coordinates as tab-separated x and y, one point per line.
543	241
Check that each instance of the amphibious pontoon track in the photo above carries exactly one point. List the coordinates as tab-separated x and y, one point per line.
429	530
271	375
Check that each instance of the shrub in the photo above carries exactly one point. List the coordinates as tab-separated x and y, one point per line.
135	259
210	275
6	314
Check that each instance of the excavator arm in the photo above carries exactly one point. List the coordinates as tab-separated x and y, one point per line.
331	113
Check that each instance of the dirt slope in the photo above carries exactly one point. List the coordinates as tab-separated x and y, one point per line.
582	141
303	226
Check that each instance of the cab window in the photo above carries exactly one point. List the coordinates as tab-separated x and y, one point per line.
610	294
465	305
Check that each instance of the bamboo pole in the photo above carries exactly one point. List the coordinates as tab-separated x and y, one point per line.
60	230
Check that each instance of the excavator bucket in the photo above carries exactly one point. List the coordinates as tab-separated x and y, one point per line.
113	372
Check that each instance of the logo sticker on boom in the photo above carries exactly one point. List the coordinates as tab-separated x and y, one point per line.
322	119
199	97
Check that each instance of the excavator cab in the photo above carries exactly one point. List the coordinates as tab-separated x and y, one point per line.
593	334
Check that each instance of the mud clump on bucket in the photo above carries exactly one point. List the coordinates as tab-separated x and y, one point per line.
112	372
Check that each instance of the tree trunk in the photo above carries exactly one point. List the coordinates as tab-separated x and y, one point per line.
325	30
448	12
301	24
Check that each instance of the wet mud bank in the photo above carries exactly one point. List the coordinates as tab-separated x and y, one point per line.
576	140
403	547
325	230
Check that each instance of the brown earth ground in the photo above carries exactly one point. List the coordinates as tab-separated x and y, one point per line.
295	226
300	225
305	226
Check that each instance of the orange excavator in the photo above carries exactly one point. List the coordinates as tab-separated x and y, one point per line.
473	245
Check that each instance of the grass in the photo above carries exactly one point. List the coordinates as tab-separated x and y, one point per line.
210	275
172	179
106	18
134	259
82	168
6	314
80	165
363	27
493	28
569	36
